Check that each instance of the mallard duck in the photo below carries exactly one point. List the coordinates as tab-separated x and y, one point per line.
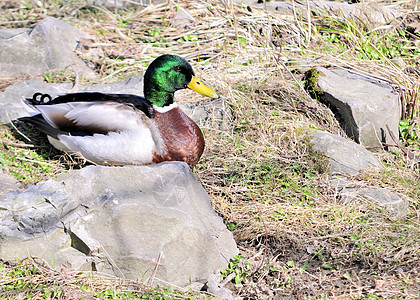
122	129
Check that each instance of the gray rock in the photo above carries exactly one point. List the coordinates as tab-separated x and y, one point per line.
365	105
11	105
345	156
48	46
125	3
213	112
183	18
396	204
8	183
151	223
347	159
375	14
215	287
208	112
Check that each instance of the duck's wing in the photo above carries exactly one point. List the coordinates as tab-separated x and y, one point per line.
137	101
103	132
87	118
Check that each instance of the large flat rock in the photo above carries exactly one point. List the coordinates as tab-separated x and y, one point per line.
48	46
8	183
365	106
348	159
368	12
345	156
397	205
126	221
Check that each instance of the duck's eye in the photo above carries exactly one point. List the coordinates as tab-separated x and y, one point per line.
177	69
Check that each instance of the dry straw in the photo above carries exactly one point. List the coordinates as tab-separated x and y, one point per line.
255	58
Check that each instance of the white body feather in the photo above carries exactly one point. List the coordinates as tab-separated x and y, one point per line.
116	148
132	136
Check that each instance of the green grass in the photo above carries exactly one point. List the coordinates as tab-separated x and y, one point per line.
59	77
29	279
355	39
27	164
240	267
410	134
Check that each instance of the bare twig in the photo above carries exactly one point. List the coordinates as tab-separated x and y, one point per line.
266	236
401	146
152	278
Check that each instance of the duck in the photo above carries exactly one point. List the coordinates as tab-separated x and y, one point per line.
126	129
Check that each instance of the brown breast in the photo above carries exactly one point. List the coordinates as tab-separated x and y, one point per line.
182	138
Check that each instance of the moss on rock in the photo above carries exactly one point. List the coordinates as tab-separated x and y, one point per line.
311	83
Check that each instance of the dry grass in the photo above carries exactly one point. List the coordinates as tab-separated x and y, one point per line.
31	279
300	240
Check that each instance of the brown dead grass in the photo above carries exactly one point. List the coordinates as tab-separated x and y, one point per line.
301	241
33	279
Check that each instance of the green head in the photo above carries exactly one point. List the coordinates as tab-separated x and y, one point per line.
167	74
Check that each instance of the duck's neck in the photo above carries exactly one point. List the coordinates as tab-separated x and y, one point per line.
166	108
159	97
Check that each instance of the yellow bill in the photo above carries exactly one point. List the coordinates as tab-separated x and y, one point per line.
196	85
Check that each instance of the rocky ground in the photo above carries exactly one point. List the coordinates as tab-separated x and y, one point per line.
320	196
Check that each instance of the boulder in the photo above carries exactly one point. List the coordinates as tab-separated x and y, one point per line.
397	205
348	159
183	18
367	13
214	112
364	106
124	3
149	223
48	46
345	156
8	183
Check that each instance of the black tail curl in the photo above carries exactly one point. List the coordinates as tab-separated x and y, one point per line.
39	99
